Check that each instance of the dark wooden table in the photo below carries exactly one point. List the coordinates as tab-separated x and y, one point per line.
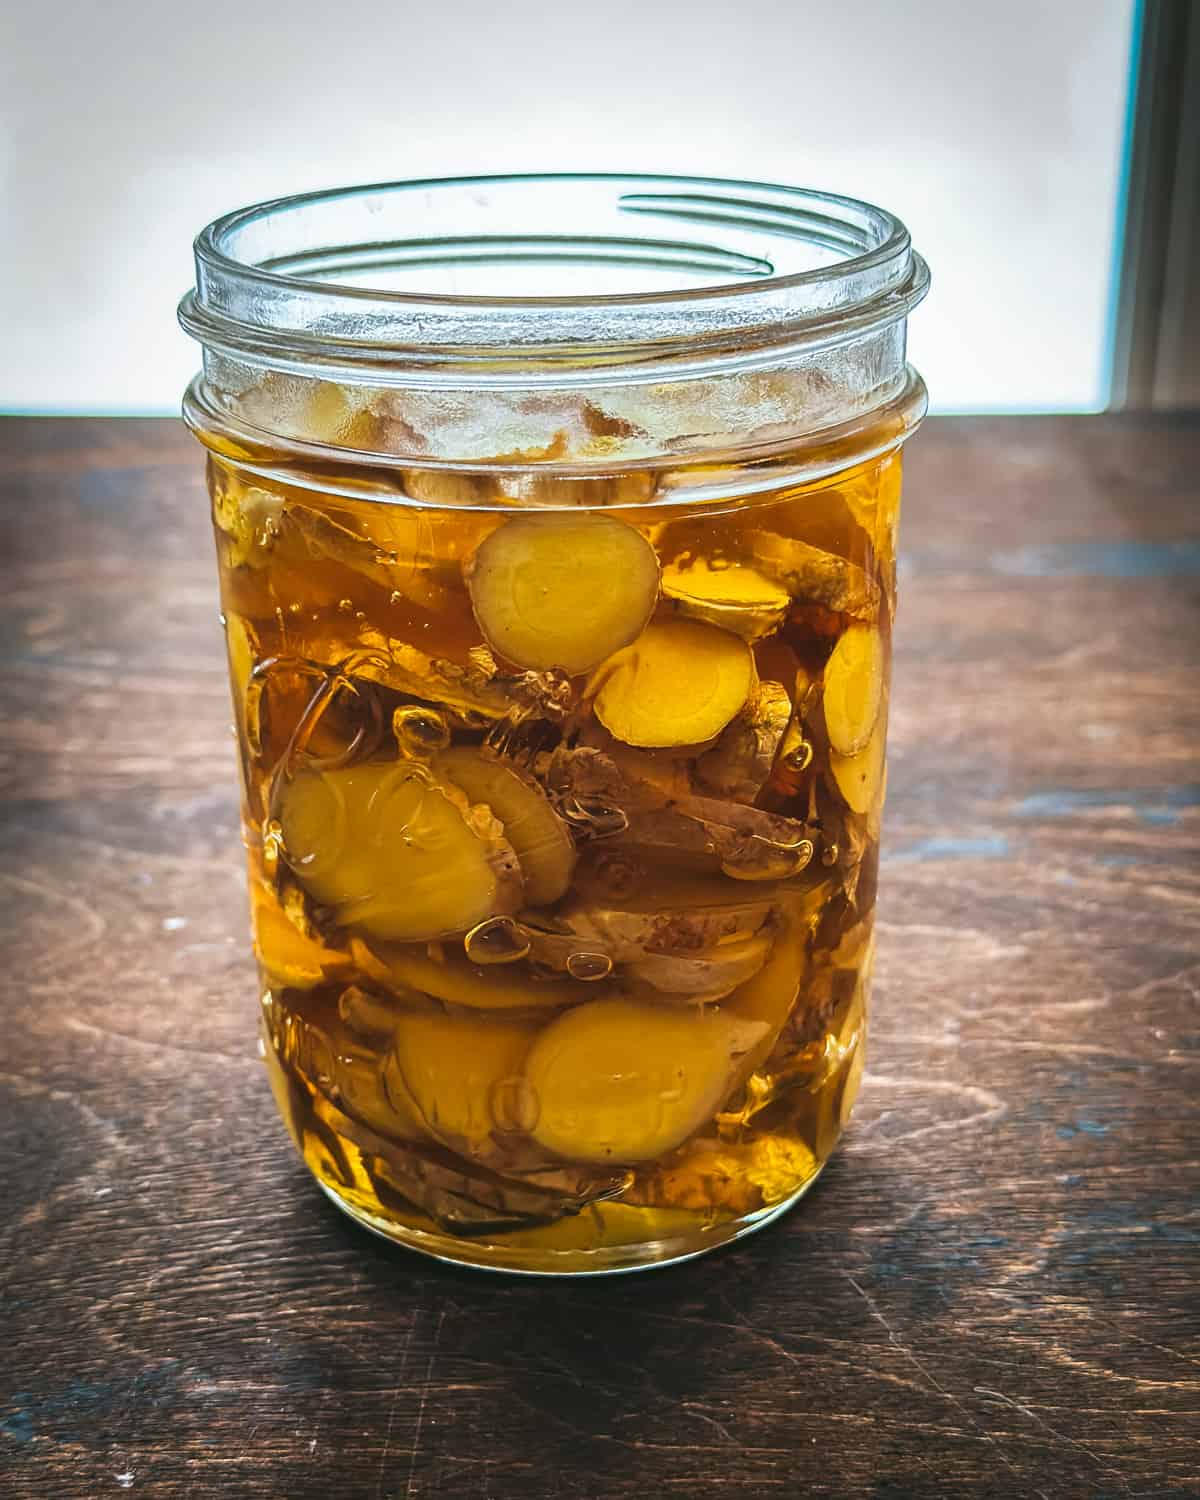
994	1289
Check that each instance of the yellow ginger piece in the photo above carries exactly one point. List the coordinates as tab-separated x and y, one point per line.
395	854
243	652
607	1223
620	1081
733	596
562	590
770	995
732	1179
459	982
680	683
289	958
463	1073
853	688
860	777
539	837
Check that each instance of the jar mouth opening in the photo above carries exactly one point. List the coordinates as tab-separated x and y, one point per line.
572	267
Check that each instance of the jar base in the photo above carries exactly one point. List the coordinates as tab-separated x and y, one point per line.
605	1260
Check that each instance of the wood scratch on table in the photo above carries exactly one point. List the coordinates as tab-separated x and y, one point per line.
424	1396
991	1106
694	1408
898	1343
1026	1411
387	1439
74	1023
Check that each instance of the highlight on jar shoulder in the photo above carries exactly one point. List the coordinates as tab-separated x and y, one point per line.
560	653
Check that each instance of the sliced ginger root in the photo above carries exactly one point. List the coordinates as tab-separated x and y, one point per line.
459	982
733	596
246	517
739	764
814	576
677	915
730	1179
539	837
332	415
620	1081
608	1223
463	1073
853	688
680	683
769	997
859	777
706	975
376	1094
243	652
562	590
286	955
395	854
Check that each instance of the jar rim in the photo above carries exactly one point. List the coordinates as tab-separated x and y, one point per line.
848	267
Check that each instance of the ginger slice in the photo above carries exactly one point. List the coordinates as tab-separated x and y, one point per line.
463	1073
608	1223
621	1081
371	1015
751	844
814	576
859	777
470	694
739	764
242	649
680	683
707	975
376	1094
745	843
730	1179
664	771
562	590
853	688
397	557
733	596
246	518
539	837
395	854
449	487
331	414
459	982
288	957
771	995
679	915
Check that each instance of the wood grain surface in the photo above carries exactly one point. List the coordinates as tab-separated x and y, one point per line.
992	1292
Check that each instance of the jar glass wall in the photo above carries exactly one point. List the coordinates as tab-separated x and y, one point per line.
556	525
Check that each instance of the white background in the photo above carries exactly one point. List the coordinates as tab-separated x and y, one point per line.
994	131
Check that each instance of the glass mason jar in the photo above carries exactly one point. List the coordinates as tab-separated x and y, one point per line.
556	522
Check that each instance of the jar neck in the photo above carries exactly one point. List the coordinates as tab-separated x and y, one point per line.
530	320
